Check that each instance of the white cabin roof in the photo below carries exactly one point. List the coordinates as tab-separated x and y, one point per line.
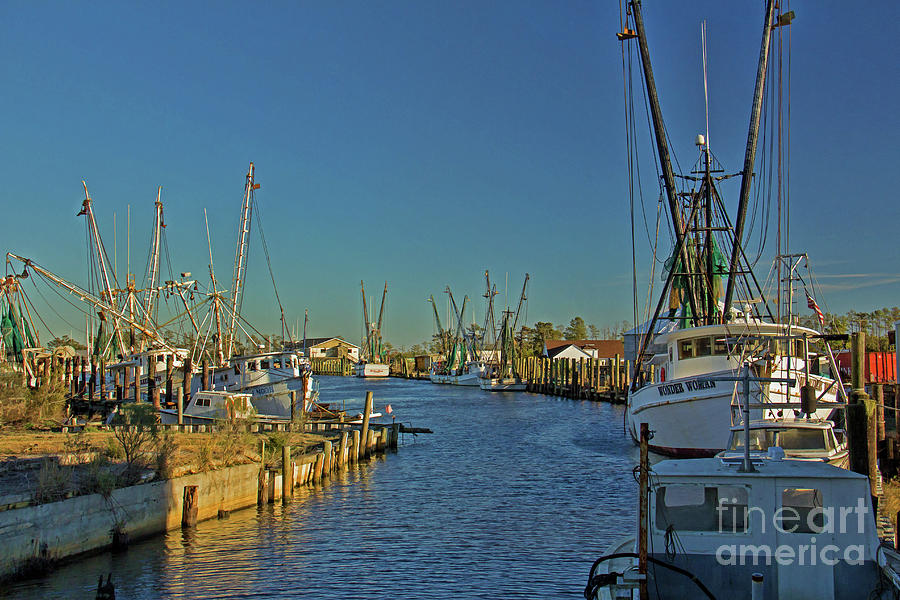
734	330
715	468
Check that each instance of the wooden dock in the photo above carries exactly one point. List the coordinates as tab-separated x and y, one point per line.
605	380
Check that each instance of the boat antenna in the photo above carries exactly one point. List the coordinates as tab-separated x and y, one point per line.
749	156
705	81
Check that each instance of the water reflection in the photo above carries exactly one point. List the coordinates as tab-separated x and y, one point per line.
512	497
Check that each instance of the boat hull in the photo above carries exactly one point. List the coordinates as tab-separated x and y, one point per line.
372	370
510	384
691	417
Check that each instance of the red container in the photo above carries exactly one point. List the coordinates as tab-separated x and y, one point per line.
880	367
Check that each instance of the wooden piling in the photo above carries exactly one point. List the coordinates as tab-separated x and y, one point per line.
170	365
92	383
370	401
137	383
327	457
878	393
342	451
317	468
205	380
287	475
152	389
190	506
293	407
395	435
117	383
370	441
186	370
354	446
103	395
180	406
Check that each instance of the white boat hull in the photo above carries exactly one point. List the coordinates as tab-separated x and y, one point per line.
692	417
372	370
508	384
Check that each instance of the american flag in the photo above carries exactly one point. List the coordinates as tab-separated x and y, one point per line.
815	307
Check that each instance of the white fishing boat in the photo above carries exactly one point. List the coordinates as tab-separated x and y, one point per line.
720	314
373	354
504	377
799	439
209	407
502	384
802	530
367	369
691	412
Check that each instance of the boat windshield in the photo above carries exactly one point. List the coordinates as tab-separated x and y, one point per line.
802	439
789	439
760	439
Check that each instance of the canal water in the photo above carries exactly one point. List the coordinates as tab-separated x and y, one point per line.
513	496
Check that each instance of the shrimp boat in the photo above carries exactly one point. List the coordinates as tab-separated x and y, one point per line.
750	527
505	377
678	386
371	363
462	366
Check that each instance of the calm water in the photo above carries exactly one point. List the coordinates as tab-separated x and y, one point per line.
513	496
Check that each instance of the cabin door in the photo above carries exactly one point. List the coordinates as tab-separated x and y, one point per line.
801	535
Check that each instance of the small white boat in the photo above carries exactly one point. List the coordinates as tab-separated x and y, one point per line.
502	384
367	369
805	527
799	439
208	407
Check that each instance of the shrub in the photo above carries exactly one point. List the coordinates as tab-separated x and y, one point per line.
136	429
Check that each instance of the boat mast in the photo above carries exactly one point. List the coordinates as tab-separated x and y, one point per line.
663	152
88	210
749	156
367	347
88	297
153	267
437	320
489	313
240	259
381	319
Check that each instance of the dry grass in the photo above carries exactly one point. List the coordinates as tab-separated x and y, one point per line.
21	407
891	499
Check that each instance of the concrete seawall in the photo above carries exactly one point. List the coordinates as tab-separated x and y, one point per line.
56	530
32	536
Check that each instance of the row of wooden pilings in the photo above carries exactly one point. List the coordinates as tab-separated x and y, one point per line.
353	446
590	379
331	366
86	378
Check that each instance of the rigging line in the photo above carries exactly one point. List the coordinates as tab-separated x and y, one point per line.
265	246
630	171
787	154
34	310
50	306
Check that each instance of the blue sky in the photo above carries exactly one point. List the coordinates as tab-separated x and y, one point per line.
423	142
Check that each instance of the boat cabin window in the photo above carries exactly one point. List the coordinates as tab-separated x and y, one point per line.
702	346
721	509
720	348
760	440
202	401
685	349
801	511
237	368
276	363
251	366
265	364
802	439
